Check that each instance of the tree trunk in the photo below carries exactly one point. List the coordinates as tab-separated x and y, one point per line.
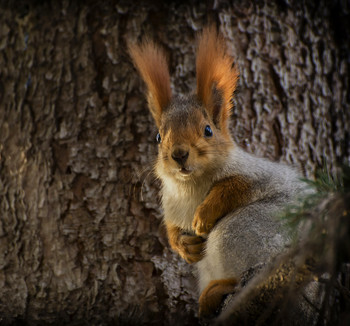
81	237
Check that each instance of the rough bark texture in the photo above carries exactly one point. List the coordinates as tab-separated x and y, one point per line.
81	239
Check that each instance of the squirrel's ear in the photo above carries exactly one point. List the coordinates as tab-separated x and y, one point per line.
151	62
216	76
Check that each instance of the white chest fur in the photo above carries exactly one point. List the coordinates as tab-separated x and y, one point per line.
180	201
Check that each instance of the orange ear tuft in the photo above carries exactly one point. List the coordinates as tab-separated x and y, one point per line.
216	75
151	62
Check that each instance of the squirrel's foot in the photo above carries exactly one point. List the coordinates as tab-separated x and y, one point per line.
190	248
212	296
202	223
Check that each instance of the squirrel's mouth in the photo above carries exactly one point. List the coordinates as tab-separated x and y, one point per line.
185	171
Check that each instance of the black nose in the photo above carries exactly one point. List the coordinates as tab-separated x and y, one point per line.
180	156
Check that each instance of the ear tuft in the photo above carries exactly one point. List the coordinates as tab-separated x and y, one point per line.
216	75
150	60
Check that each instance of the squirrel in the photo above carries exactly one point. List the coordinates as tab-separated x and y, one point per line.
220	202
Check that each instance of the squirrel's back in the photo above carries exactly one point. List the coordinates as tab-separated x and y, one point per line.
253	233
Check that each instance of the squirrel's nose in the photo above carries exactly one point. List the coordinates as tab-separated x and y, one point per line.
180	155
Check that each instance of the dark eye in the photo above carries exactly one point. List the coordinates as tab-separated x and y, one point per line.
158	138
208	132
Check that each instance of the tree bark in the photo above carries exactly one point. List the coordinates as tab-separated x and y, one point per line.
81	237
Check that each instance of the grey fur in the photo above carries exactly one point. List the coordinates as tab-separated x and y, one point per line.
252	234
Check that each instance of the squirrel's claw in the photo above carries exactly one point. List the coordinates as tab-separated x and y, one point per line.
201	224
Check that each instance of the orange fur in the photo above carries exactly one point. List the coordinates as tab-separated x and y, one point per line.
224	197
212	295
151	62
189	247
215	71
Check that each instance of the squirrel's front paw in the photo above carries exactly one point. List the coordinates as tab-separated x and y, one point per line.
190	248
202	223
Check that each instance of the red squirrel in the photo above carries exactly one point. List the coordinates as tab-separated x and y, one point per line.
219	201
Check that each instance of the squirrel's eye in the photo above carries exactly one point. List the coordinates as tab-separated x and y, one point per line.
158	138
208	132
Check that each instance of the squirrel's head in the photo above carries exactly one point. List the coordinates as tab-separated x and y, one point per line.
193	133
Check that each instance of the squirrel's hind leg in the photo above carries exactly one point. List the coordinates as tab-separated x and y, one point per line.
212	296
